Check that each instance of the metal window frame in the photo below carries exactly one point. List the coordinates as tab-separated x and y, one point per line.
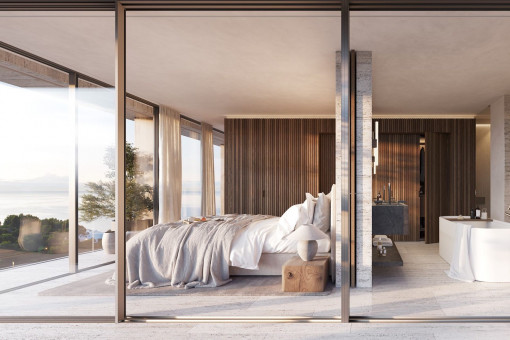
120	7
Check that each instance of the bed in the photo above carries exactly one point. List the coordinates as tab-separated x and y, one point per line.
206	254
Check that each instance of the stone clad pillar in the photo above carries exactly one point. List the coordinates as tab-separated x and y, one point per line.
500	158
363	169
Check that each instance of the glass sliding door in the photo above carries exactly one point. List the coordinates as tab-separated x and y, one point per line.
438	83
198	71
50	134
95	170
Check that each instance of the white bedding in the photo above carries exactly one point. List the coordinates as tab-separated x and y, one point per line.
265	236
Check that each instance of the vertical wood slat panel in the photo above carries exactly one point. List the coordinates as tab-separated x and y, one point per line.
326	161
399	164
437	178
272	163
461	141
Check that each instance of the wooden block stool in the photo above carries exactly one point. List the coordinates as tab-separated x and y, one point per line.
305	276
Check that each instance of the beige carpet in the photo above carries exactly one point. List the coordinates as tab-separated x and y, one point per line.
240	286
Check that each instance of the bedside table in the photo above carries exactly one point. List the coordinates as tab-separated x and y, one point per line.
305	276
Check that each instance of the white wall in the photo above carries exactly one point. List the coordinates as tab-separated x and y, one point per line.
497	166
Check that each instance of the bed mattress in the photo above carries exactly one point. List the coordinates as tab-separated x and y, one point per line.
264	237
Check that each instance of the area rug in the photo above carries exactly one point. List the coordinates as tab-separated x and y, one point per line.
239	286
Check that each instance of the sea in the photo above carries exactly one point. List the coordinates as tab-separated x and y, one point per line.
44	204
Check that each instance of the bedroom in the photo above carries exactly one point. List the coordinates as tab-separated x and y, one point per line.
286	78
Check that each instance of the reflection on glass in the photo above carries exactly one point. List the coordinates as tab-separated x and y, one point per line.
139	166
34	173
96	174
191	177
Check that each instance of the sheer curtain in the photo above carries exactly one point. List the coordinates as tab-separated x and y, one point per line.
170	165
208	193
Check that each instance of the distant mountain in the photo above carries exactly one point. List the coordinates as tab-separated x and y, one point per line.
45	184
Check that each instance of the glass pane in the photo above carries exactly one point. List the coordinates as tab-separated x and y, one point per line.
438	85
191	178
44	120
34	138
139	166
96	172
218	177
236	77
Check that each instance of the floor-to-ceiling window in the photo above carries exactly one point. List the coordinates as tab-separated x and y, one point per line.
191	170
218	177
199	68
95	145
436	76
56	127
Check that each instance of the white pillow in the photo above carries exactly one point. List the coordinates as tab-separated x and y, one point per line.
289	219
307	210
297	215
322	214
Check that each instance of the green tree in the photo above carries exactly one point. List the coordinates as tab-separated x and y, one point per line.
100	199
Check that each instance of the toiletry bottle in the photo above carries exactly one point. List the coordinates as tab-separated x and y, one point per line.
478	213
472	214
484	213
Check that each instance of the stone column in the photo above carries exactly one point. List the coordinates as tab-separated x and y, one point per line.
363	169
500	158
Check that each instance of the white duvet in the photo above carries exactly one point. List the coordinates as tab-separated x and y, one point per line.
265	236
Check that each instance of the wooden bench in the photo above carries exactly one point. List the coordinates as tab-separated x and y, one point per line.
305	276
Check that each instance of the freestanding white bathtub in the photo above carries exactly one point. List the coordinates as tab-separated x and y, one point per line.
489	247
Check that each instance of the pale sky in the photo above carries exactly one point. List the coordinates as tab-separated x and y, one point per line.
36	142
36	133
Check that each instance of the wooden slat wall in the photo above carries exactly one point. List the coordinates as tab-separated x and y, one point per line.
271	163
462	147
326	161
437	183
399	164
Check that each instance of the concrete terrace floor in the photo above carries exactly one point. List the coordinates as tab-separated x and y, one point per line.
365	331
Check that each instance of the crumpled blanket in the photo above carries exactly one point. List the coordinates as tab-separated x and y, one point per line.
184	255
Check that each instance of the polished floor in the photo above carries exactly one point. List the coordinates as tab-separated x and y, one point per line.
418	289
422	289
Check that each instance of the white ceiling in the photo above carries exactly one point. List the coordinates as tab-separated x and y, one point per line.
237	64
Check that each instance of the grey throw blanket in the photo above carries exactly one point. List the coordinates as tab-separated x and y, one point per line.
184	255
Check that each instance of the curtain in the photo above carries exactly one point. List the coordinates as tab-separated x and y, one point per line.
208	194
170	165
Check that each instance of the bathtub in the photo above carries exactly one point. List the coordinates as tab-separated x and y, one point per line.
489	247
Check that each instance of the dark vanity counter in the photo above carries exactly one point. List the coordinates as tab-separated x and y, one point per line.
390	219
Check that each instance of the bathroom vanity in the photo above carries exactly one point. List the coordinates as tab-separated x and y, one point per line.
390	218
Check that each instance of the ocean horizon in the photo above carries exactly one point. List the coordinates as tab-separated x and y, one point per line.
44	204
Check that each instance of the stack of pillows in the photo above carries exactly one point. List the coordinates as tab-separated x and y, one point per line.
314	210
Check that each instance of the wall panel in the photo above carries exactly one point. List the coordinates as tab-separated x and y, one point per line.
271	163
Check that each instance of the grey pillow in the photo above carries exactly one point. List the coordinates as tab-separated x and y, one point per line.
322	213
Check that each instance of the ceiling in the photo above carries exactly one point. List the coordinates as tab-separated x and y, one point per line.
212	65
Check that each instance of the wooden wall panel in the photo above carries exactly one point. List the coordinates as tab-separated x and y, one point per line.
462	148
437	182
399	164
326	161
271	163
